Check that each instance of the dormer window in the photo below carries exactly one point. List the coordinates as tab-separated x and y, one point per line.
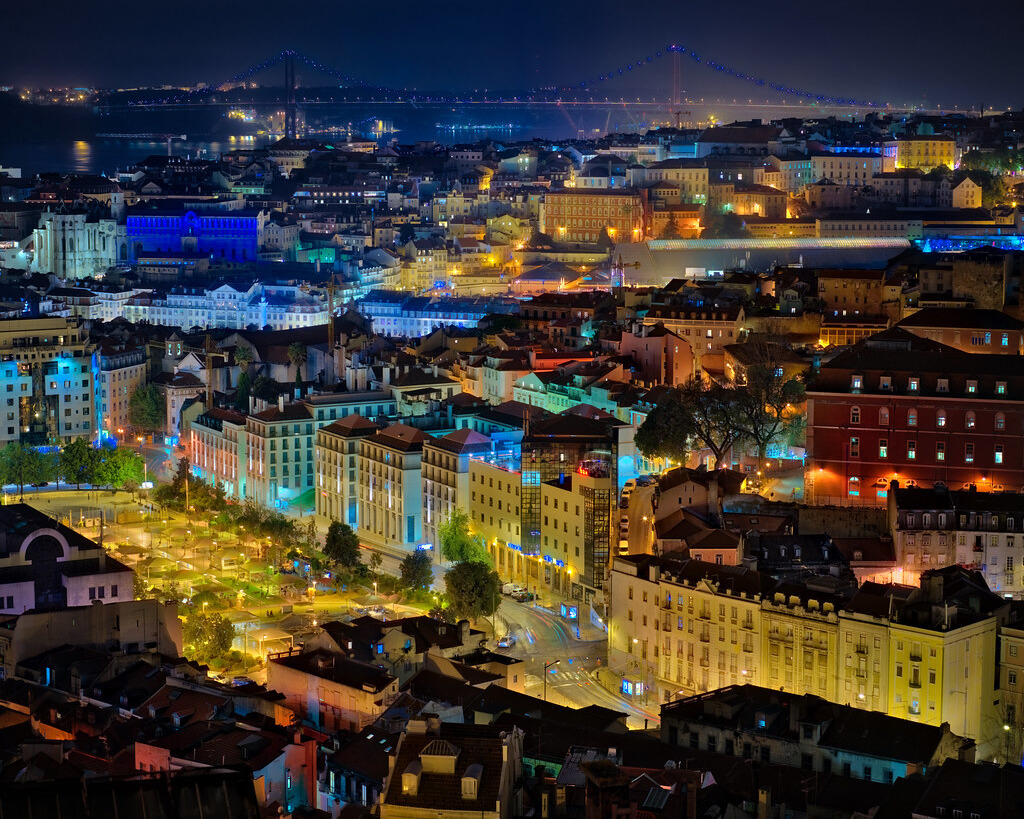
885	383
914	384
942	385
857	382
1000	388
972	387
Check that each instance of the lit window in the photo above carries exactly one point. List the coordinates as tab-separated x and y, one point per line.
883	448
857	382
883	417
1000	388
1000	421
911	450
855	447
969	420
969	453
853	488
999	453
914	385
972	386
912	418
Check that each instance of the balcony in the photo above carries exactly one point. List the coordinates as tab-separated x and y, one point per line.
861	649
705	662
705	637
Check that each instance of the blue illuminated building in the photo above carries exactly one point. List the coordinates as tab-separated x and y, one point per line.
221	234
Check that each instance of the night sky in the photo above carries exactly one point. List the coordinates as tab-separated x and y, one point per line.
942	52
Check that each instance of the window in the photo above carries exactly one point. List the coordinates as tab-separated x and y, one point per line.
855	447
1012	678
1009	563
857	382
1000	421
883	448
940	418
942	385
999	453
972	386
853	487
911	450
940	451
1000	388
885	383
1005	340
914	384
968	453
883	417
969	420
912	418
854	415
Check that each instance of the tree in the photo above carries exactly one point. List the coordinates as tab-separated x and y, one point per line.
210	634
457	544
242	391
265	388
119	468
724	226
297	354
77	462
376	561
406	233
417	571
766	403
243	358
671	229
473	590
341	545
697	414
146	409
21	464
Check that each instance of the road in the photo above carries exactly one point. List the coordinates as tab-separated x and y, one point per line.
641	520
541	637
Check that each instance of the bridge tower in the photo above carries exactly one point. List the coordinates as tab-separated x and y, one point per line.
290	106
677	80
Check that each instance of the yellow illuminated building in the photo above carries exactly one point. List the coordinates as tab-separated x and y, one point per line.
926	654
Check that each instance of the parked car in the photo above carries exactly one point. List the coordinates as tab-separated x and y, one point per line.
511	588
507	641
240	681
645	480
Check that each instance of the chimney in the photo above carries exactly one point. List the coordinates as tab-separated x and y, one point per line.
386	374
280	402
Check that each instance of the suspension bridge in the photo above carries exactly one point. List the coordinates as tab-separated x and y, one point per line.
617	86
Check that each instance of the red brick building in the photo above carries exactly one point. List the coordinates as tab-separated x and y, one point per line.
900	407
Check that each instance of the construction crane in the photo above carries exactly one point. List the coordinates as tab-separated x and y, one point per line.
619	268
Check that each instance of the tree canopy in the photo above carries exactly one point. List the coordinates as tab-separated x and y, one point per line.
473	589
341	545
22	465
724	226
77	462
458	544
697	414
146	409
118	468
417	570
210	635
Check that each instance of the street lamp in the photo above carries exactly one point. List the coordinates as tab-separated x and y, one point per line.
546	667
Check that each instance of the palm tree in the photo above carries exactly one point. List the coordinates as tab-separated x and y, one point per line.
243	358
297	354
